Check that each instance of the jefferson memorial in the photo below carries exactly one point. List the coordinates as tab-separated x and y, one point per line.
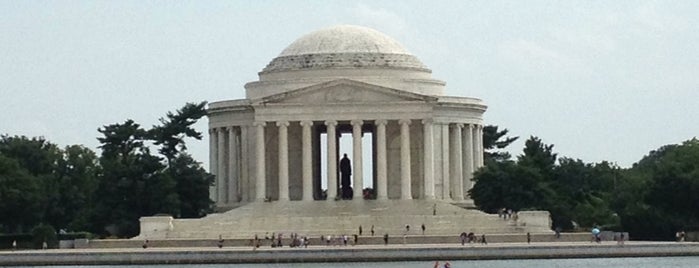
276	154
344	79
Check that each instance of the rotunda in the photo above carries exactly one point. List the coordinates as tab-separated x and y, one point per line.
344	79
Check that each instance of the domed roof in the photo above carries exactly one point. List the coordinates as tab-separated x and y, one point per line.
344	46
344	39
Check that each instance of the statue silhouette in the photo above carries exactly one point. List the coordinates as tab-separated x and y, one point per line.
346	172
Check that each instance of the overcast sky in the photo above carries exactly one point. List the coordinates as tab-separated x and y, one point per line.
601	80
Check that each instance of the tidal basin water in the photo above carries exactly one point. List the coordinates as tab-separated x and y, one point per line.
539	263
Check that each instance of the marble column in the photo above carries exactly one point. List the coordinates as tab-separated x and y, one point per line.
244	162
357	169
428	143
306	172
261	183
468	157
222	172
381	171
233	167
480	146
474	132
332	159
446	183
456	160
213	162
283	160
405	192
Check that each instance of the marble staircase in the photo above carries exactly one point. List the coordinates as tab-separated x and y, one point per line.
315	218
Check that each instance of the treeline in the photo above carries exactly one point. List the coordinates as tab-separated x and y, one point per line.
656	197
74	189
44	188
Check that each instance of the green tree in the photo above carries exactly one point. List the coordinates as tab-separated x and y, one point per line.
494	141
509	185
174	128
137	183
667	181
79	171
20	195
583	192
133	184
192	186
192	181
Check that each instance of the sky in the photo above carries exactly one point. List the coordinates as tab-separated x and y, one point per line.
600	80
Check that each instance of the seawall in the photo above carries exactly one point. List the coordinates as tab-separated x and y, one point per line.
370	253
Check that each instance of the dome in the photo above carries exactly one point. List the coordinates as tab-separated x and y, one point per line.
344	39
344	46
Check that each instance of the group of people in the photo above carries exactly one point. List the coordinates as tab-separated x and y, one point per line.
472	238
508	214
339	240
275	240
680	236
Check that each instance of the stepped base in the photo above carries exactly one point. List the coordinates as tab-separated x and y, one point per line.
344	217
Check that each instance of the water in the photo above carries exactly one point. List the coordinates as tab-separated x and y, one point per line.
547	263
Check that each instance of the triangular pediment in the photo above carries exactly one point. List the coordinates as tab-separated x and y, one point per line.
345	91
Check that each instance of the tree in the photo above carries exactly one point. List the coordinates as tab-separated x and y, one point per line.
20	197
538	155
192	186
493	141
666	182
509	185
174	128
76	181
133	184
137	183
192	181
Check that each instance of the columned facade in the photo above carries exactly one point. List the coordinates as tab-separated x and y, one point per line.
449	165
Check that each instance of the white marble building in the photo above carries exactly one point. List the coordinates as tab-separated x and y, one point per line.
344	79
351	80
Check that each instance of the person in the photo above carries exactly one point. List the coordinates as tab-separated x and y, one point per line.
14	245
622	237
360	230
682	236
434	209
220	241
356	239
372	230
44	245
463	237
529	238
483	241
558	232
407	228
423	229
385	239
145	244
595	235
